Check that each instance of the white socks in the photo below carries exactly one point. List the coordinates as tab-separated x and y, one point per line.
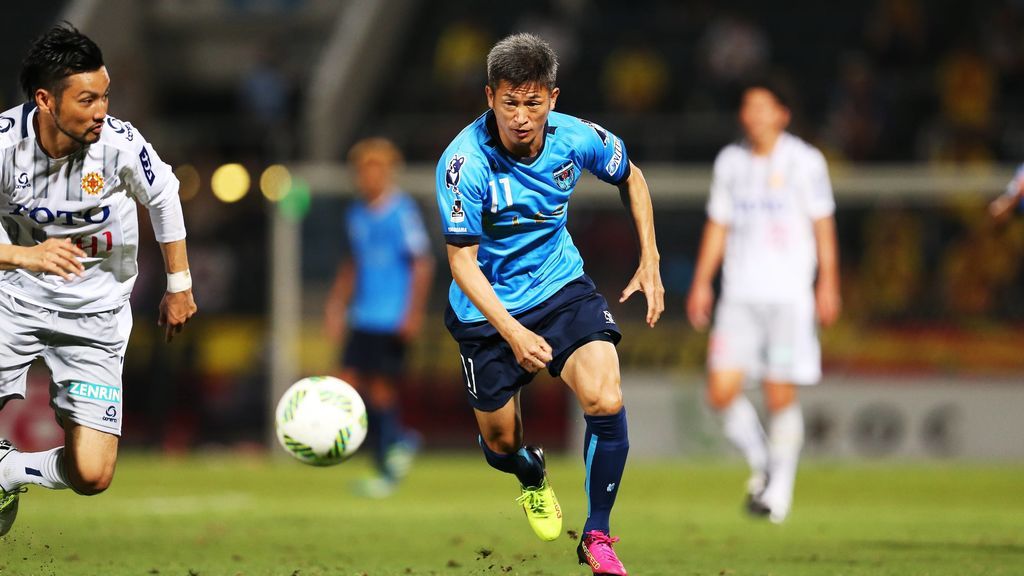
743	429
786	438
45	469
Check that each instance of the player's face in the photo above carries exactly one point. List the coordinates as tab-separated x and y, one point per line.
762	116
79	111
521	113
373	175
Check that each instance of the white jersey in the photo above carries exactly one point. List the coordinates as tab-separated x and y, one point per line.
769	204
88	196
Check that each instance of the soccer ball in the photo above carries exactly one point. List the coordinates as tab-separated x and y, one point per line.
321	420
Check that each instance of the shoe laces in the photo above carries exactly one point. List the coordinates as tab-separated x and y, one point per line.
598	538
8	496
532	499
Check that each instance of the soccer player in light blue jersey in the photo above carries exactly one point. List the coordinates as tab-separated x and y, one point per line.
380	296
520	300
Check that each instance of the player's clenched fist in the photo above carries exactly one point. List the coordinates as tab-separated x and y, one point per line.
54	256
176	308
532	351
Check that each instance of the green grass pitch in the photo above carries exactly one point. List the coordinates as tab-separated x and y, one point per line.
253	516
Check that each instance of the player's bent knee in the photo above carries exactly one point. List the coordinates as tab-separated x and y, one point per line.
720	397
605	403
91	477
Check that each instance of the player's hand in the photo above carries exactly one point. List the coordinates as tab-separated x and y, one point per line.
699	305
176	308
647	280
532	351
828	303
54	256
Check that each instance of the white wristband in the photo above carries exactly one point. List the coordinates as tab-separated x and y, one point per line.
179	281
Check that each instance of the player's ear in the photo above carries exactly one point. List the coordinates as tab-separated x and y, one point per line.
45	100
490	96
554	96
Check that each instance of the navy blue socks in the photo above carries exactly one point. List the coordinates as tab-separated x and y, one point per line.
605	446
527	469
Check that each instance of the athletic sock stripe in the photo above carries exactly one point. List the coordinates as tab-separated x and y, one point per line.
33	472
591	449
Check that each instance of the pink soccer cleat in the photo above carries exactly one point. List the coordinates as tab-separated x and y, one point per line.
595	550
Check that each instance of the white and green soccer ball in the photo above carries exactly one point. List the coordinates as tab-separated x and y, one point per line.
321	420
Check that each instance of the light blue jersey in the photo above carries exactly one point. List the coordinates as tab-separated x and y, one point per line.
383	240
516	211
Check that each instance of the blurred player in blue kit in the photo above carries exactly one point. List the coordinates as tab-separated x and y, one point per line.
520	300
379	295
70	177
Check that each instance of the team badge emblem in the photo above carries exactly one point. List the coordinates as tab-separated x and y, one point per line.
565	176
92	183
452	174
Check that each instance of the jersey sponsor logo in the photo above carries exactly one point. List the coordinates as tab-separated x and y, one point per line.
147	166
92	183
457	229
601	132
43	215
121	128
111	414
613	165
95	392
453	173
23	182
565	176
608	319
6	123
457	214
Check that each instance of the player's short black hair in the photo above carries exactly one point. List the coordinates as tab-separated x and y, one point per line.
522	59
60	52
775	86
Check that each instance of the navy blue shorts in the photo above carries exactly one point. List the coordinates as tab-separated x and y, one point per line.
374	353
570	318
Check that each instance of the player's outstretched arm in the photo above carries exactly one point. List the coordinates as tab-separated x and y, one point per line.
336	308
709	257
422	277
636	196
826	292
532	352
53	256
177	306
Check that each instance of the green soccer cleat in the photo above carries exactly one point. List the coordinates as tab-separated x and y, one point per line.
541	506
8	498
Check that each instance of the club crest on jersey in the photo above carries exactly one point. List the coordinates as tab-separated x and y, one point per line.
92	183
565	176
452	175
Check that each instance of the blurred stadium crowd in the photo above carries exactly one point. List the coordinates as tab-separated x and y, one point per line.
883	81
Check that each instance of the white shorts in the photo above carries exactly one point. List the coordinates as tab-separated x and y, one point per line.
84	352
771	341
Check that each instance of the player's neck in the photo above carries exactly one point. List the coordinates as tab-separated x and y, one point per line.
52	141
525	152
766	145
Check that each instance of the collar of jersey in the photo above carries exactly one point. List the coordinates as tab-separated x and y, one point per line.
491	124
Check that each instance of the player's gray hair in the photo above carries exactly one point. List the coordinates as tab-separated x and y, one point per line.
521	59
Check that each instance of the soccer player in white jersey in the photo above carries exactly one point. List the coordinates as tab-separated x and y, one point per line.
770	218
70	176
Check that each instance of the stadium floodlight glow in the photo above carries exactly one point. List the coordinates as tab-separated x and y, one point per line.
275	182
188	179
230	183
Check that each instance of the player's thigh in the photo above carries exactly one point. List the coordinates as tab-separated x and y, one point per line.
592	372
85	360
19	345
723	387
737	339
501	429
778	395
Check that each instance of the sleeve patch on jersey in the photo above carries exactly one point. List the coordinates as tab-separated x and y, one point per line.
601	132
613	165
453	173
147	166
457	215
119	127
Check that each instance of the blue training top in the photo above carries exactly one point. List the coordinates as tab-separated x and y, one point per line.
516	210
383	240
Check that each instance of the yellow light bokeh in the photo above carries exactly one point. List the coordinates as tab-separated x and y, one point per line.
275	182
230	183
188	178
